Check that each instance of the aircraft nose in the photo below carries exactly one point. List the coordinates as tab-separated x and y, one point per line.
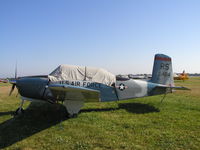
32	87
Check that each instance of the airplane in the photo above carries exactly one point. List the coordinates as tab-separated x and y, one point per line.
4	80
139	76
183	76
75	85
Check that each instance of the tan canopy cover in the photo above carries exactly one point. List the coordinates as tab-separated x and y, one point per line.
70	72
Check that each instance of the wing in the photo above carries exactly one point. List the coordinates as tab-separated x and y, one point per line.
69	92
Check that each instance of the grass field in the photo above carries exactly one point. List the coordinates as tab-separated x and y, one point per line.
142	123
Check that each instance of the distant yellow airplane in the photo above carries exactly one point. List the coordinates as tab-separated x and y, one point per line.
183	76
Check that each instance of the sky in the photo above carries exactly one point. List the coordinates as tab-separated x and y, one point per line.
121	36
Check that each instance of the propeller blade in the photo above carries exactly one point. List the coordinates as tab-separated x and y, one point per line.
14	82
16	71
12	89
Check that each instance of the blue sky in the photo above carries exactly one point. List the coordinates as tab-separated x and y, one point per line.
121	36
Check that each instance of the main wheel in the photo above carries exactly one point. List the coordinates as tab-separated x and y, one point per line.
19	111
72	115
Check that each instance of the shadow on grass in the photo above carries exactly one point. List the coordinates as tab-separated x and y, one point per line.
6	113
40	116
98	110
137	108
31	122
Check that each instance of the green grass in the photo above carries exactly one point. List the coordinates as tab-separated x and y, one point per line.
4	84
142	123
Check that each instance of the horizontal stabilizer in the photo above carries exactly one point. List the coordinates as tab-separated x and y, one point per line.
164	89
180	88
173	87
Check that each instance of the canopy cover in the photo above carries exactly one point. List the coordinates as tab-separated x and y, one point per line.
71	72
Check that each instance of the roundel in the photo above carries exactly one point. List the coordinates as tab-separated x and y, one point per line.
122	87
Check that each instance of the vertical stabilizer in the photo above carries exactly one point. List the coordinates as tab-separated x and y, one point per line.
162	70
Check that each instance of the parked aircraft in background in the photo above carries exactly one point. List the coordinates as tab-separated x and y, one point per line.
183	76
4	80
75	85
139	76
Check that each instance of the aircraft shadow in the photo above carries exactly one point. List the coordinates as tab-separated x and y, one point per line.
136	108
98	109
38	117
6	113
31	122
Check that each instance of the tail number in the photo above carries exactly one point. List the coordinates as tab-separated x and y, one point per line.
164	66
165	74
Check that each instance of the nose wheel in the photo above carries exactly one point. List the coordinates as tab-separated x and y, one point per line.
73	107
19	110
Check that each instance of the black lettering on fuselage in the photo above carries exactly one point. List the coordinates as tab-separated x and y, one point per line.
77	83
81	84
97	85
88	84
92	85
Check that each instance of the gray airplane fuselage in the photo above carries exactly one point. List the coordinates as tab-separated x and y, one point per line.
37	88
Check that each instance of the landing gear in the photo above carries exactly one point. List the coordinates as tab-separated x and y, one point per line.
19	110
72	115
73	107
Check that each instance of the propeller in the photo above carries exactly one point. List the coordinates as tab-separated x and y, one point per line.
12	89
13	82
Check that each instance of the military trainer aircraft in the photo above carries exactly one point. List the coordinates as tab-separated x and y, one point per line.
74	85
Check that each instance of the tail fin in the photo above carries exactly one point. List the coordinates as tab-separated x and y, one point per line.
162	70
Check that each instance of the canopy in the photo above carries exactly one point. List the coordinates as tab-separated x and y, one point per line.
70	72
